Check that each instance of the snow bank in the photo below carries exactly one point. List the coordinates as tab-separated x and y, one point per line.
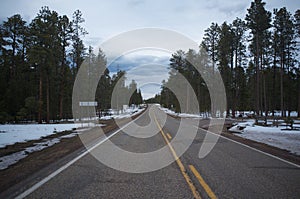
8	160
13	133
238	128
186	115
273	136
189	115
129	112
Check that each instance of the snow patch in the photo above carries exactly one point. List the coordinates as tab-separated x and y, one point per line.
129	112
185	115
274	136
8	160
13	133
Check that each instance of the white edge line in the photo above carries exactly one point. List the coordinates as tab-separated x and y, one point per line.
257	150
55	173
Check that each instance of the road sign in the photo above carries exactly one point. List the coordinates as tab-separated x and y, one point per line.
88	103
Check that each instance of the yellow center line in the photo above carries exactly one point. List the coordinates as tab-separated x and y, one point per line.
208	190
169	136
179	163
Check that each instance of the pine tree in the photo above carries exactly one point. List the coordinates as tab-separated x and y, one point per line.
43	53
225	58
14	29
34	66
258	21
203	62
284	30
178	66
136	97
297	31
65	34
119	91
3	77
103	93
14	32
210	42
238	29
78	51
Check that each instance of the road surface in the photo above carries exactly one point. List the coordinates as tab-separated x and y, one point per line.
230	170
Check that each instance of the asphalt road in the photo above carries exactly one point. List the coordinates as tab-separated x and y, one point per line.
230	170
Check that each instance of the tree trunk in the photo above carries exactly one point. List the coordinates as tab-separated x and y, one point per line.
299	98
274	82
261	105
40	98
62	85
48	100
61	99
232	87
257	77
13	56
265	97
198	98
261	87
281	86
299	105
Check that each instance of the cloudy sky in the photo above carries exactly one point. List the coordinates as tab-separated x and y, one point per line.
105	19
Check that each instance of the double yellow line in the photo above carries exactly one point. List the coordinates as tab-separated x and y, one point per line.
205	186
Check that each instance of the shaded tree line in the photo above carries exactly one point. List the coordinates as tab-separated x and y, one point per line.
257	58
38	63
112	92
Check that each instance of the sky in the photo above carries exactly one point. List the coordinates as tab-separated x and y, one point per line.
106	19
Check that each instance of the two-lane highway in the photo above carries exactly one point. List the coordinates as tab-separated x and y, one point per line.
231	170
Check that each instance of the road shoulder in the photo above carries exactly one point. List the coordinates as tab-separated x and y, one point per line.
39	164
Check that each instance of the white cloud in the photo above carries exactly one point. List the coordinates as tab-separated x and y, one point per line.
149	77
107	18
149	90
148	73
147	67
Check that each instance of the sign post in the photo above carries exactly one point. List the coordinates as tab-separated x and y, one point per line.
88	104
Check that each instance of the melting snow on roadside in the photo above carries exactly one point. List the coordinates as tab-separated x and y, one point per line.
6	161
11	134
129	112
273	136
190	115
168	111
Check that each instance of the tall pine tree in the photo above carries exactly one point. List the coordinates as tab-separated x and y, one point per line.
258	21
